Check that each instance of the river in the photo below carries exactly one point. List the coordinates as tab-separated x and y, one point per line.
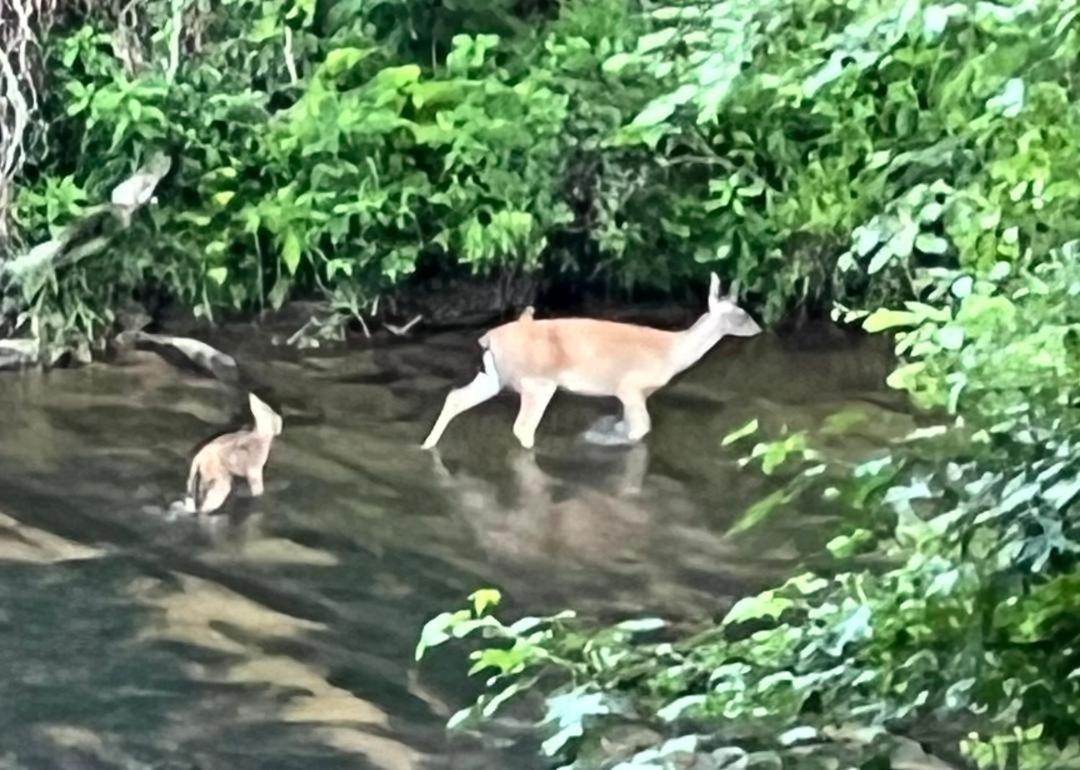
280	634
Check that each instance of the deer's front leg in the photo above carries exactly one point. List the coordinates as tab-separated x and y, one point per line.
535	397
635	414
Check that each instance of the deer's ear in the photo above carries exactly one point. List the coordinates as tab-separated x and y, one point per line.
714	293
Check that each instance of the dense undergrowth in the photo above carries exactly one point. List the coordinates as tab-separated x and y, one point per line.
340	148
940	141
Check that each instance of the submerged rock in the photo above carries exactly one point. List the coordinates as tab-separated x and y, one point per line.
198	353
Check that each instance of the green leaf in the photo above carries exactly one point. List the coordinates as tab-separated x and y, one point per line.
341	60
654	40
218	274
680	706
764	605
746	430
290	251
1011	99
845	546
484	598
613	65
905	377
799	734
931	244
655	112
641	625
438	93
279	293
951	337
119	131
438	630
962	286
757	512
883	319
1063	492
856	627
397	77
568	711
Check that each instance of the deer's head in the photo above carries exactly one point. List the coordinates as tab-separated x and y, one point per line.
725	313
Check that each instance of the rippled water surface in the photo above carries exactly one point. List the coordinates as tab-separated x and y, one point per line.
280	634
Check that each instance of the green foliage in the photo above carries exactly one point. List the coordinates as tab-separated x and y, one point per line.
808	149
314	156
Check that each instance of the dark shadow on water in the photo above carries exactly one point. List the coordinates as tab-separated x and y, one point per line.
280	634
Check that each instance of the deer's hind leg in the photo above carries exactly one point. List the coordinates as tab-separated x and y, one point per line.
535	397
217	490
255	481
485	385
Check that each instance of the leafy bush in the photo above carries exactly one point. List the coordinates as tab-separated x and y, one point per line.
314	154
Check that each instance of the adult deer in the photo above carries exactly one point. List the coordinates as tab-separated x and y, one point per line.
592	358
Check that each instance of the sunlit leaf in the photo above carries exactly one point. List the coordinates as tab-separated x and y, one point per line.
290	251
484	598
766	605
747	429
881	320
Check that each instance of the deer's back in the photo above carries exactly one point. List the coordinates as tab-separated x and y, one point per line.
585	355
234	453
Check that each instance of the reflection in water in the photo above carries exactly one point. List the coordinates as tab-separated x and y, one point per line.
546	520
598	531
280	633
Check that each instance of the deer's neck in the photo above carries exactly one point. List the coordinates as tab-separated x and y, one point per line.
695	342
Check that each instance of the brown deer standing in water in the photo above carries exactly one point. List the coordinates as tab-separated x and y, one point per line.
242	453
592	358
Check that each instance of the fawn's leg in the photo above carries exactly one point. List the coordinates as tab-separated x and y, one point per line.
255	481
216	492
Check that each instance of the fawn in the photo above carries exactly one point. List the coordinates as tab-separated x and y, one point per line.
242	453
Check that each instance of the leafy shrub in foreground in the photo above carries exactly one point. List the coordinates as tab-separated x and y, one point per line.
967	637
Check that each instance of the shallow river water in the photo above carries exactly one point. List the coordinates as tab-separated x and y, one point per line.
280	634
